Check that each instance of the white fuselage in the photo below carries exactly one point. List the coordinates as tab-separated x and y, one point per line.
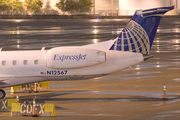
21	67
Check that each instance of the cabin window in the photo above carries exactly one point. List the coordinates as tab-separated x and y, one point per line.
3	62
25	62
14	62
36	62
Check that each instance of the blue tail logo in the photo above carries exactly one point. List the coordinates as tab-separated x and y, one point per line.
139	33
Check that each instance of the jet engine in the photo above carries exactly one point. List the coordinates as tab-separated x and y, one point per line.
73	57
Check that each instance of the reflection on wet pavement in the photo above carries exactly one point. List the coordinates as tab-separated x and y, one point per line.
60	86
21	34
124	94
145	94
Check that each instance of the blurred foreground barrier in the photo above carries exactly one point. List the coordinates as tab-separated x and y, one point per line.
49	109
26	109
41	86
5	104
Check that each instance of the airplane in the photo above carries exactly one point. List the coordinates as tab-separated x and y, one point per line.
131	47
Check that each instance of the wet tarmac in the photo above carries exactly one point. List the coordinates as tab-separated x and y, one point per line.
135	93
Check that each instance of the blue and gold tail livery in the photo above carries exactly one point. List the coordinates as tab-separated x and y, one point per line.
139	33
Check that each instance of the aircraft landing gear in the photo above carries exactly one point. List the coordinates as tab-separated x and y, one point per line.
2	94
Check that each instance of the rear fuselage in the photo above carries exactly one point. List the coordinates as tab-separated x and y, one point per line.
21	67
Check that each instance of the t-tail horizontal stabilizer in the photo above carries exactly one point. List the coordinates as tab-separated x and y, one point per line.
139	33
146	57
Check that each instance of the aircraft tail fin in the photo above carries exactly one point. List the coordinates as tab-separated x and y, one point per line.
139	33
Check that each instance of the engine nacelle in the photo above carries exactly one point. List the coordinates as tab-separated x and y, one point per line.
73	57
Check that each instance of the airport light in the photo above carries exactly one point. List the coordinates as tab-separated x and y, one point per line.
95	40
22	2
95	31
117	10
12	5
